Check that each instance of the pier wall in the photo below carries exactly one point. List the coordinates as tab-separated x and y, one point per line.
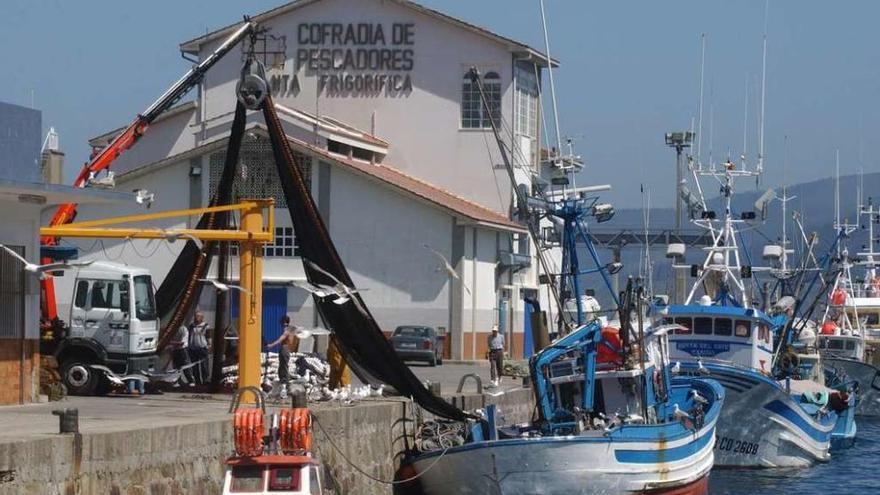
188	458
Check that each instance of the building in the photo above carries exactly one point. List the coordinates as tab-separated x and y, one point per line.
22	199
376	99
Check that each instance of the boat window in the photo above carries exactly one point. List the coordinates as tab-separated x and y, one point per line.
687	323
850	345
723	327
703	326
247	479
764	333
742	328
284	479
872	319
835	344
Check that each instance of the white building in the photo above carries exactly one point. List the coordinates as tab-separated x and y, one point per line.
375	97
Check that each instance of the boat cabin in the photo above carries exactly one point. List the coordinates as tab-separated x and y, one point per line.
720	333
867	311
845	346
275	474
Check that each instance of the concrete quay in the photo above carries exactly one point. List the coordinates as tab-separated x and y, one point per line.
176	443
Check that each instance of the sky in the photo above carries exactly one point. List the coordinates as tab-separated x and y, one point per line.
630	71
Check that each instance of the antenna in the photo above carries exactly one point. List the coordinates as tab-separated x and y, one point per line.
760	167
550	74
837	194
711	124
700	125
742	157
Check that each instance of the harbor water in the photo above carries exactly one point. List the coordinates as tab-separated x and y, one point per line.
850	471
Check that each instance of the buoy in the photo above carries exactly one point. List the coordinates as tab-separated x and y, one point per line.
610	347
828	328
838	297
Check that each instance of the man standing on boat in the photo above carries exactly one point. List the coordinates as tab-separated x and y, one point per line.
496	355
289	344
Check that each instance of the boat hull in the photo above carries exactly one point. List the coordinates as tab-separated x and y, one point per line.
571	465
868	378
762	426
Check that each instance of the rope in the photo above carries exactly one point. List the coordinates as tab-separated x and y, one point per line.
368	475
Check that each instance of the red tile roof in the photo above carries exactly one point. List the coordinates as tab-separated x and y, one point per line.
417	187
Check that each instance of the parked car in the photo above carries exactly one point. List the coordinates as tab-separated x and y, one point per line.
418	343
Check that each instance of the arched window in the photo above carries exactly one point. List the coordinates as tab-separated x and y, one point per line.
473	112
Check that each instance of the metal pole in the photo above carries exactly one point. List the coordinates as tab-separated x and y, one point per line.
221	309
250	302
679	279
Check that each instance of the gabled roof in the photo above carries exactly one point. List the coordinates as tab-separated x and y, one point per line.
193	45
382	174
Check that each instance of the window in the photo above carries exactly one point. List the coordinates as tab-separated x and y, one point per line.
723	327
284	244
110	294
835	345
82	292
144	303
703	326
473	112
247	479
764	333
257	173
850	345
314	481
687	323
742	328
526	107
12	290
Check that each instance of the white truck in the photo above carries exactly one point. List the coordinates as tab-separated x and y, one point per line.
110	310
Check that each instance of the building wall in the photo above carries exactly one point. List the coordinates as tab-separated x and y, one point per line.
423	126
20	129
19	357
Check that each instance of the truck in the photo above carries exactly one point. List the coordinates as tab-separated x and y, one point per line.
111	310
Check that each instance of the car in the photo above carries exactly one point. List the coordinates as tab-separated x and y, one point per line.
418	343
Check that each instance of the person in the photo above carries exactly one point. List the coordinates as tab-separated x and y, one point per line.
289	343
180	355
198	346
496	355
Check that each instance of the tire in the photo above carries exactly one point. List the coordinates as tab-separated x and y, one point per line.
78	377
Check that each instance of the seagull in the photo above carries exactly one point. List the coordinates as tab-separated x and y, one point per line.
679	414
144	197
342	292
702	369
170	376
304	333
676	368
318	290
377	392
223	287
40	270
119	380
446	266
107	182
699	399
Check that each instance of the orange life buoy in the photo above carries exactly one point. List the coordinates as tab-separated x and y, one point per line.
838	297
828	328
610	347
248	432
295	430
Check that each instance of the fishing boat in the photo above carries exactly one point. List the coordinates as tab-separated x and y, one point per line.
610	418
768	419
849	326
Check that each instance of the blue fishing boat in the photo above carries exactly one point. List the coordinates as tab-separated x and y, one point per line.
771	416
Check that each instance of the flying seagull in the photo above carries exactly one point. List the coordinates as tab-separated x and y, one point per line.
446	266
304	333
343	292
117	379
318	290
40	270
223	287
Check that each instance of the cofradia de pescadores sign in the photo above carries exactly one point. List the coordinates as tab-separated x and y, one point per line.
352	59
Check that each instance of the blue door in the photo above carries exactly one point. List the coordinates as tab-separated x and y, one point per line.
527	331
274	307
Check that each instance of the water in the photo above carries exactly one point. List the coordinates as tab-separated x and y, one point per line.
850	471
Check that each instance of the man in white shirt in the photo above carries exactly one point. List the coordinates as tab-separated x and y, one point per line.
180	355
496	355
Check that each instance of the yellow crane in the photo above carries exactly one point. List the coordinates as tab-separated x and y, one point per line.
256	229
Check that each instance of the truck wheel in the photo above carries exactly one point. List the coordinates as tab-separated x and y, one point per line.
79	377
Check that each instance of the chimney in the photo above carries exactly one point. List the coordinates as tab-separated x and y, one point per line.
52	159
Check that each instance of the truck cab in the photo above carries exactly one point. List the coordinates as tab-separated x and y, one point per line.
110	309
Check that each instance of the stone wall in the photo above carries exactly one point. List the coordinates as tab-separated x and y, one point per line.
19	382
188	458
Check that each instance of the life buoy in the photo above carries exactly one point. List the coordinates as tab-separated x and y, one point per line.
248	432
609	347
295	430
838	297
828	328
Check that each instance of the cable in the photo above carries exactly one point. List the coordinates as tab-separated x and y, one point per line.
358	469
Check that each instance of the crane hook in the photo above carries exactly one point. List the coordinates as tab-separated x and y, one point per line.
252	88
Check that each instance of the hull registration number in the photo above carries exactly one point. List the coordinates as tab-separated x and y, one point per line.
736	446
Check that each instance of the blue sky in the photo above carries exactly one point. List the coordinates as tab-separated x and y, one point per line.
630	72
